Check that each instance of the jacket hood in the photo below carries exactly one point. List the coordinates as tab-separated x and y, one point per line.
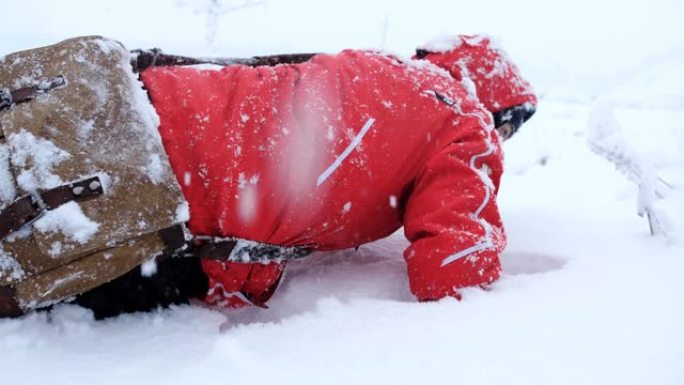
497	79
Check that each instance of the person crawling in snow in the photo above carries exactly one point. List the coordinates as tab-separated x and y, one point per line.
329	153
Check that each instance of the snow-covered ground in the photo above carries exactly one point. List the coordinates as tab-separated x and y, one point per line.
588	296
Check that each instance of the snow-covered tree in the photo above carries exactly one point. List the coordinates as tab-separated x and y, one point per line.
605	138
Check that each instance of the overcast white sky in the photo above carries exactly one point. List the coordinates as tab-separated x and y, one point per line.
588	44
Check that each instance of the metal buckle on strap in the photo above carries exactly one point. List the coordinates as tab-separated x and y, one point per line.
5	98
48	84
39	206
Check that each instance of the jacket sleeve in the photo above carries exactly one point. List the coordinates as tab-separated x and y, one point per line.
233	284
451	217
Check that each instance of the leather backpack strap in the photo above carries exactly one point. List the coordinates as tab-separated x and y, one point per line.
31	207
9	97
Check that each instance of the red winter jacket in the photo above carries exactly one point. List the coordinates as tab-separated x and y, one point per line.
335	152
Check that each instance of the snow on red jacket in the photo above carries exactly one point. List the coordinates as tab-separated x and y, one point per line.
335	152
496	78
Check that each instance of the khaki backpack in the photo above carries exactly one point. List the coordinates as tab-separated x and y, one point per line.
86	189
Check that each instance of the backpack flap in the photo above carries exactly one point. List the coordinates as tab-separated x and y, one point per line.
89	129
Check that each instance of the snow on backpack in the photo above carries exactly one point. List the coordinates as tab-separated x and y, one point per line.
86	189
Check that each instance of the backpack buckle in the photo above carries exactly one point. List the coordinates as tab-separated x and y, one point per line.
9	97
5	98
50	83
39	206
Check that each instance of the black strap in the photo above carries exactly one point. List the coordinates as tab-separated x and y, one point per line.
242	251
179	243
9	306
30	207
219	250
174	239
226	249
144	59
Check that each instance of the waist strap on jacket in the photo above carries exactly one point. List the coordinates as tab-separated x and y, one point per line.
242	250
245	251
231	249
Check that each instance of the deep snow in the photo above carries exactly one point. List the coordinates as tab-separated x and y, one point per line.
587	296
